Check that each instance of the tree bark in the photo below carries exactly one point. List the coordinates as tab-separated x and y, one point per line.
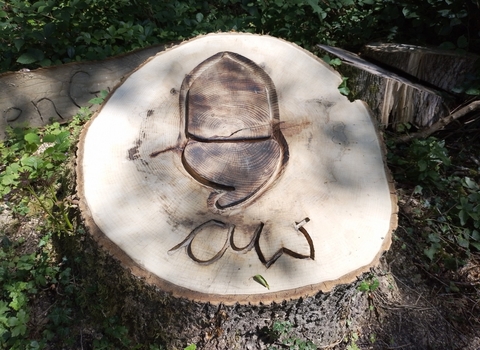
407	84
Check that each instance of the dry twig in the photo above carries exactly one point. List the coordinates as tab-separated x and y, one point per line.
473	106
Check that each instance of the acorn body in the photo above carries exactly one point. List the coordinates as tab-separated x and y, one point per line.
232	125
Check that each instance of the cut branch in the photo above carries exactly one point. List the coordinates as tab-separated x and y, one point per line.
440	124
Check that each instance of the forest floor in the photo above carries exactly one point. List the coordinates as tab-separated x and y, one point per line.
420	303
404	303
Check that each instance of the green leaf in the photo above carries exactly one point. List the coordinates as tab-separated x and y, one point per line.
418	189
31	56
9	179
96	101
3	14
422	165
314	5
343	88
3	307
30	162
18	43
430	252
463	216
476	235
408	13
70	51
470	183
199	17
462	242
363	287
191	347
473	91
49	29
32	138
261	280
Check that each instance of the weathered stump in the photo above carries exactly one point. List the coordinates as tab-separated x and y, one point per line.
405	83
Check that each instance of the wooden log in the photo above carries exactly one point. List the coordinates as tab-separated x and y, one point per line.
404	83
35	98
444	69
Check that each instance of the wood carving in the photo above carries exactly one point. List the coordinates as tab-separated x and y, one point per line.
232	122
37	97
232	156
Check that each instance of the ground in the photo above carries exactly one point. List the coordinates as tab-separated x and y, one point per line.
401	304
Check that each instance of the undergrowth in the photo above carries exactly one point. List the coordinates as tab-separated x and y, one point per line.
47	32
440	200
46	297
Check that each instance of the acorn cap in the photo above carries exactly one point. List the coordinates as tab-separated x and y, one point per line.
229	97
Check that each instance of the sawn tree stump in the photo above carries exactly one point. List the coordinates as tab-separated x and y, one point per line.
230	170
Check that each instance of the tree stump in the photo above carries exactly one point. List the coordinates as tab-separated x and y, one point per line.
230	171
406	83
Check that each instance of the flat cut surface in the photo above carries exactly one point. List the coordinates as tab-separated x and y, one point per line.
323	215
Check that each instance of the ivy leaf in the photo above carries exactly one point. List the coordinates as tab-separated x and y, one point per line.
462	242
430	252
31	56
343	88
260	279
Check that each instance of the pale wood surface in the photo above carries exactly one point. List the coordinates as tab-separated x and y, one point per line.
322	219
37	97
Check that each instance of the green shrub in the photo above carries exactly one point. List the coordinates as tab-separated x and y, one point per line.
43	33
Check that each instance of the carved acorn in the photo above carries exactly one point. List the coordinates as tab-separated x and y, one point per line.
231	115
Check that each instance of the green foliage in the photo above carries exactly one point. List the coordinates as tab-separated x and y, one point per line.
447	205
280	333
422	161
43	33
34	172
34	180
353	342
21	278
369	285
